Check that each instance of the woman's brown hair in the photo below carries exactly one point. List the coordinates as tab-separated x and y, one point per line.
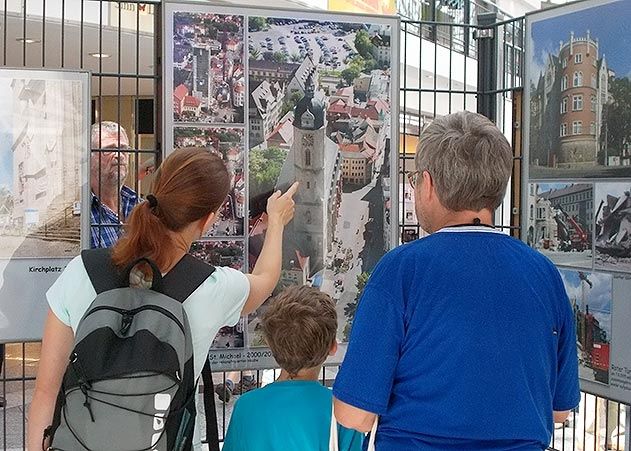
189	185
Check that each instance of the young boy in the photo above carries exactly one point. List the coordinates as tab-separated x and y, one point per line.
293	413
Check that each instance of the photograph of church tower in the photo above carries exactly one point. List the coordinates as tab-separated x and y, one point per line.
314	161
320	114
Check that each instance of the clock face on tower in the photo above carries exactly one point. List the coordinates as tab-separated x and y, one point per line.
307	140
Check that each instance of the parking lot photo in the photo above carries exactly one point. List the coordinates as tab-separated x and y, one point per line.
228	144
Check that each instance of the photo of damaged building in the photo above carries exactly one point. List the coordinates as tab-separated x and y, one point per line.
560	222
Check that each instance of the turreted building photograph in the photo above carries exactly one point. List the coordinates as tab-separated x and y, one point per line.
579	85
320	114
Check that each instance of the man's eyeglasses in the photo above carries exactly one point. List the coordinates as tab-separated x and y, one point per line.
412	178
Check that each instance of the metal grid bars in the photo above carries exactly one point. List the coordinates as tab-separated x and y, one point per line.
442	71
118	43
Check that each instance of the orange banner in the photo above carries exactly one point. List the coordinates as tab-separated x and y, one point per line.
364	6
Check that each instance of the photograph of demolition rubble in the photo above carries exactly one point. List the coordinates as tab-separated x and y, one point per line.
590	294
208	68
320	113
579	86
228	143
43	138
613	227
560	220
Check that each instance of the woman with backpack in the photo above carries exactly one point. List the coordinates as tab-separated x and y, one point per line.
94	318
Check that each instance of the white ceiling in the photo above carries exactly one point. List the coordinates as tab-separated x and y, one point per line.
124	46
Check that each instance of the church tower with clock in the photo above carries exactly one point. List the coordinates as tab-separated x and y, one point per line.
309	164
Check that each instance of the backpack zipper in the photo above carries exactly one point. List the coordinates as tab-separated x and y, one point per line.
130	313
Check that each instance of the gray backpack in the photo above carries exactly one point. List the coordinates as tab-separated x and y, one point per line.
130	385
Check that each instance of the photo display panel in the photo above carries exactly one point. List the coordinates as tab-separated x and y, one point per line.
286	96
577	176
44	221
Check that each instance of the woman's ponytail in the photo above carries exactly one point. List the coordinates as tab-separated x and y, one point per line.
189	185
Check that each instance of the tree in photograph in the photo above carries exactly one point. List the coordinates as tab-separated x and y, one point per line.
290	102
231	27
371	64
362	280
295	58
351	307
255	54
229	136
279	57
363	45
257	23
265	167
616	130
349	75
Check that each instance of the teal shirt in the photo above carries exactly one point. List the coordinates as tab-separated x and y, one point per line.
286	415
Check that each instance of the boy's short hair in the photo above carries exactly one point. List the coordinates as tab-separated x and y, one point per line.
300	327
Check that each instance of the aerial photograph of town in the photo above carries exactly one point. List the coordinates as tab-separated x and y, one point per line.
208	68
228	144
320	114
230	253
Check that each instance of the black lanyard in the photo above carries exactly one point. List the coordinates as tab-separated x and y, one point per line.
476	223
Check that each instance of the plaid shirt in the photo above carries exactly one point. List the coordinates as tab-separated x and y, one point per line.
106	228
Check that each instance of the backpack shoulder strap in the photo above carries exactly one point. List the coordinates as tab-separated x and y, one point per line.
101	271
185	277
179	283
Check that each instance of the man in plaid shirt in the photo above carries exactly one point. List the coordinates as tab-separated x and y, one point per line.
112	201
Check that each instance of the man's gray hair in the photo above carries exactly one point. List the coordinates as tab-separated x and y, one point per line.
105	129
469	160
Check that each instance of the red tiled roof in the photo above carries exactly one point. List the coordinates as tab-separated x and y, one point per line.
180	92
191	101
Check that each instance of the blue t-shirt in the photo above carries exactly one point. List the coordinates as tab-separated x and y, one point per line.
463	340
286	415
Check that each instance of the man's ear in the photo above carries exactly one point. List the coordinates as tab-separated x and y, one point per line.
426	186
